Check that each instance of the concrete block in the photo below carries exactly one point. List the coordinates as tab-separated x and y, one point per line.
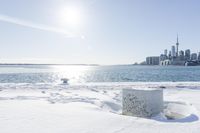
142	102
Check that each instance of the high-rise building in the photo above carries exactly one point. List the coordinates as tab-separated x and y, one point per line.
199	56
175	57
173	51
187	54
181	55
165	52
177	44
152	60
170	53
162	57
194	56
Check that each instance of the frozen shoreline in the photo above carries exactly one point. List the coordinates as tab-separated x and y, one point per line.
94	107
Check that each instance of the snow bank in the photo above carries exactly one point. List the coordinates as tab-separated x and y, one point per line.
94	108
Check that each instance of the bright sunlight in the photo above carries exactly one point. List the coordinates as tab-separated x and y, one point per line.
71	17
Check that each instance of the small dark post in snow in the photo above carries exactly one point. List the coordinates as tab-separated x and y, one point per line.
65	80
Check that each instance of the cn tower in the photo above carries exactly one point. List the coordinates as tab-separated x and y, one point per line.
177	44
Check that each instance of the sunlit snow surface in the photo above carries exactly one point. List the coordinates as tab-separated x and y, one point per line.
94	108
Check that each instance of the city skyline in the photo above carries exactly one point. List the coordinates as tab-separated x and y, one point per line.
174	56
94	31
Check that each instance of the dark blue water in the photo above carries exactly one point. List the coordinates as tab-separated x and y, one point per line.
82	74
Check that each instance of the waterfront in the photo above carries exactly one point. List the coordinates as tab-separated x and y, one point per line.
85	74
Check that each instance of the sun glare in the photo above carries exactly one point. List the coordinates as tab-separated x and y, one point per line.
71	16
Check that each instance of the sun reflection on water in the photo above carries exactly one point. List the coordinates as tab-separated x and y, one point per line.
75	74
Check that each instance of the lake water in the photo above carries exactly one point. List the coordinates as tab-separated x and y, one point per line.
82	74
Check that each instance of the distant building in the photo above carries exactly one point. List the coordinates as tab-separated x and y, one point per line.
177	44
165	52
175	57
162	57
194	56
177	62
187	54
165	62
181	55
173	51
199	56
170	55
152	60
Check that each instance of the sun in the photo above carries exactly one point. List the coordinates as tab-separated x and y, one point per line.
71	16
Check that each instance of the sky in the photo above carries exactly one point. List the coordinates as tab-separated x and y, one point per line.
95	31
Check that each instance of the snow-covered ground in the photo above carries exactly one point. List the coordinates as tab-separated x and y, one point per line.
94	108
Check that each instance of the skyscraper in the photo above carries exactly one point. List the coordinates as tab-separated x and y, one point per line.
181	55
187	54
170	53
173	51
177	44
165	52
194	56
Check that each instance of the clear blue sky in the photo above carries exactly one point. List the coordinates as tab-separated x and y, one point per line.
103	32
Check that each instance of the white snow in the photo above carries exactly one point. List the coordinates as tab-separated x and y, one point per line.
94	108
